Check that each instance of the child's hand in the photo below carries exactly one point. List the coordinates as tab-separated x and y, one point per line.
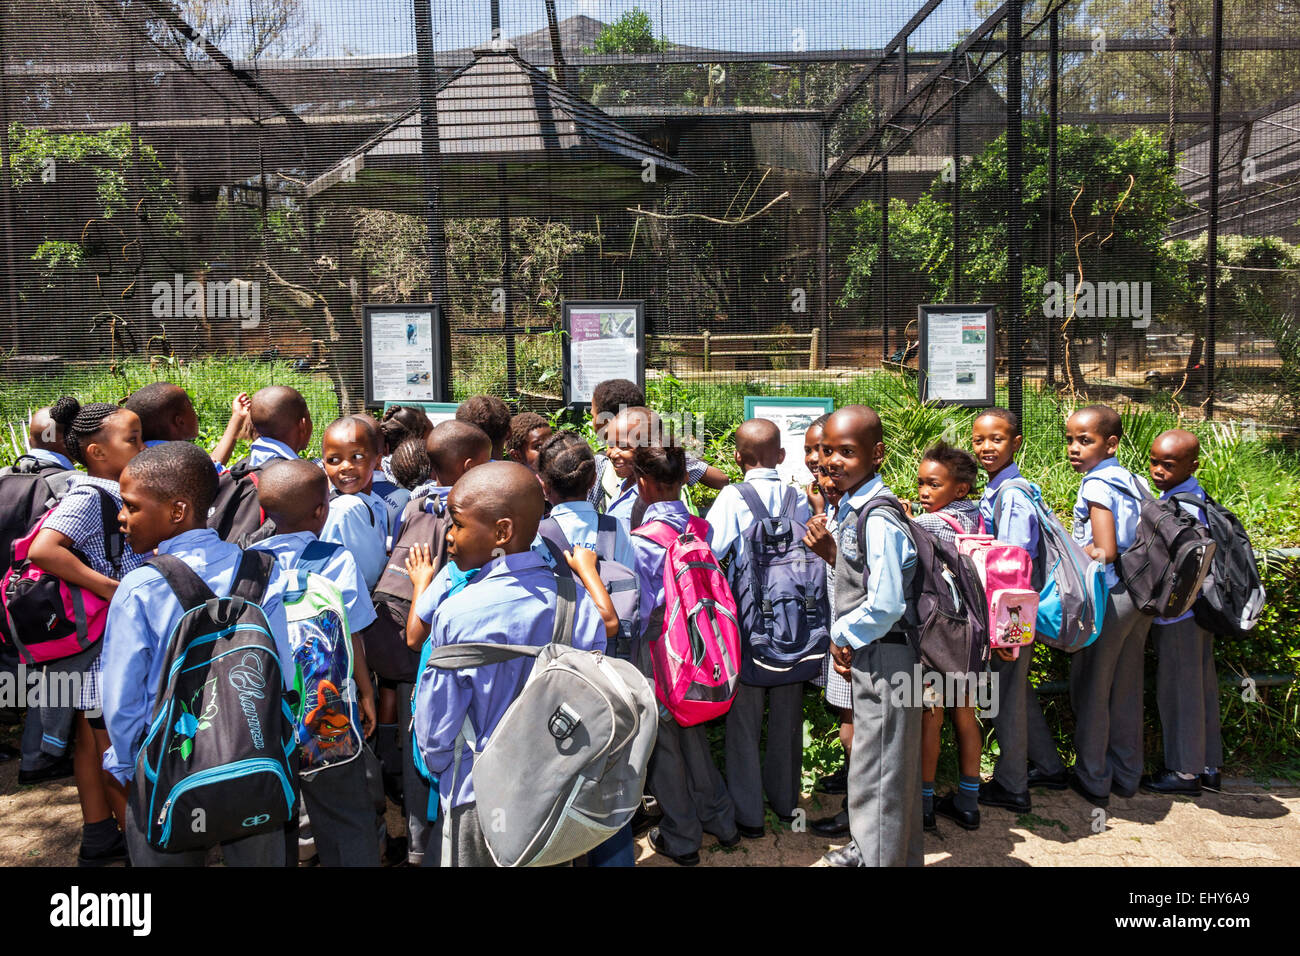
816	500
241	406
1005	654
581	559
819	539
1096	553
907	506
419	565
366	706
842	659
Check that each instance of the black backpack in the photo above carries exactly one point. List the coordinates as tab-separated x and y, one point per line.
1232	595
219	761
236	515
28	489
946	599
1169	558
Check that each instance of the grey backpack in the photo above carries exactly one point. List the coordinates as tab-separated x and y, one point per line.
621	581
564	769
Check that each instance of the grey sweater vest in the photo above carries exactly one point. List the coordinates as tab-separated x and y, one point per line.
851	572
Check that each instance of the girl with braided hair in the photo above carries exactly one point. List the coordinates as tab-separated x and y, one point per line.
78	545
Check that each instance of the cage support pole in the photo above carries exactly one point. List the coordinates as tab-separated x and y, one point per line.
884	253
956	199
817	359
7	199
432	175
1015	218
1053	115
1212	232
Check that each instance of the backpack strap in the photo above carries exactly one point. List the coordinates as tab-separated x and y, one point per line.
190	589
553	534
950	521
754	502
566	603
658	531
252	576
1124	489
317	555
606	536
638	512
114	540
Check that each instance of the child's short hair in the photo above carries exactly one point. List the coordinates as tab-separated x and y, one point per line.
410	463
362	426
290	490
664	464
401	422
453	442
80	423
489	413
1109	424
177	470
960	464
156	404
820	421
616	393
276	410
520	428
1011	418
567	464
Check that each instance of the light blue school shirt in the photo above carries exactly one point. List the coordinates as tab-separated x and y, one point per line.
359	522
340	567
621	507
1098	487
162	441
890	563
510	601
263	450
1016	520
391	493
730	517
1189	487
51	458
650	559
141	618
579	522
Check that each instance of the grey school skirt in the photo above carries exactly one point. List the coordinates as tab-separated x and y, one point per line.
839	691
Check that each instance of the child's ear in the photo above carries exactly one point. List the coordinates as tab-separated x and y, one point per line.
780	458
878	454
736	456
505	530
1016	443
180	510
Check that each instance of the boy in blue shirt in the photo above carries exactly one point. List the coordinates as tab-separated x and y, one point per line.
454	448
295	495
282	422
869	640
167	414
358	519
166	492
495	510
1187	687
758	452
1106	677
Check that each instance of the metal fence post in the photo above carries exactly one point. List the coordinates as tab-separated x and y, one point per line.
884	251
1053	172
1015	216
1212	236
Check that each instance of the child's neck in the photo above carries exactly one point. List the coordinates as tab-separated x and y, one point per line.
1011	463
745	469
188	525
103	474
850	492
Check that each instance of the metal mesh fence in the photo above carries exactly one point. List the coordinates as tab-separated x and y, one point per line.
211	189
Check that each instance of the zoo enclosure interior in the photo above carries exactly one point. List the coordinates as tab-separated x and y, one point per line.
222	184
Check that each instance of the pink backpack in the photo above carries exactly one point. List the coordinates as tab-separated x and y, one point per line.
1005	570
697	657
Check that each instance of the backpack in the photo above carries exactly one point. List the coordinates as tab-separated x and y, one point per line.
1006	572
1232	595
946	599
696	659
780	591
422	521
328	726
28	489
236	515
1169	558
1072	597
566	764
47	618
620	581
220	748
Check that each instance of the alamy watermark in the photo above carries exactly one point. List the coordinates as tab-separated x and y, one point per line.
39	688
214	299
1098	300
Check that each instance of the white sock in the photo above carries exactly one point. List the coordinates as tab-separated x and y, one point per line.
1185	776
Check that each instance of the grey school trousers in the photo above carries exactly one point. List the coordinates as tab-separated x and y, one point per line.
342	813
468	845
690	791
885	762
1023	737
1187	693
415	792
774	770
1106	694
265	849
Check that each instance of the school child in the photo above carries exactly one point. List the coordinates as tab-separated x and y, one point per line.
358	518
822	498
454	448
944	482
400	422
1106	677
776	771
528	433
509	599
281	422
682	776
166	493
411	469
75	544
608	399
1027	755
490	414
567	469
167	414
1187	687
295	495
868	637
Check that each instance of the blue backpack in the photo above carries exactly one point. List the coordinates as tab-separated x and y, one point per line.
780	591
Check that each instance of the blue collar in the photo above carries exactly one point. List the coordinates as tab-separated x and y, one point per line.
509	563
762	474
1111	462
665	509
1009	473
1190	486
867	491
584	508
53	457
275	445
189	541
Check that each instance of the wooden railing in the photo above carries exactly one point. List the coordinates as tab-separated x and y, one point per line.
709	341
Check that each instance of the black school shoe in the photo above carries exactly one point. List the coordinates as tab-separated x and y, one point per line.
686	859
53	771
993	794
1103	801
1167	781
1120	790
928	822
1211	781
844	856
1048	781
646	816
112	852
948	809
837	825
749	833
837	782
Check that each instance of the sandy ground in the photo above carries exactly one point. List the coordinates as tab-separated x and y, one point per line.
1249	825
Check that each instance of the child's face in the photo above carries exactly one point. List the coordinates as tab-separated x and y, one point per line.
936	487
304	433
350	459
119	441
1171	463
846	458
621	439
533	447
473	537
995	446
145	519
812	452
1086	445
